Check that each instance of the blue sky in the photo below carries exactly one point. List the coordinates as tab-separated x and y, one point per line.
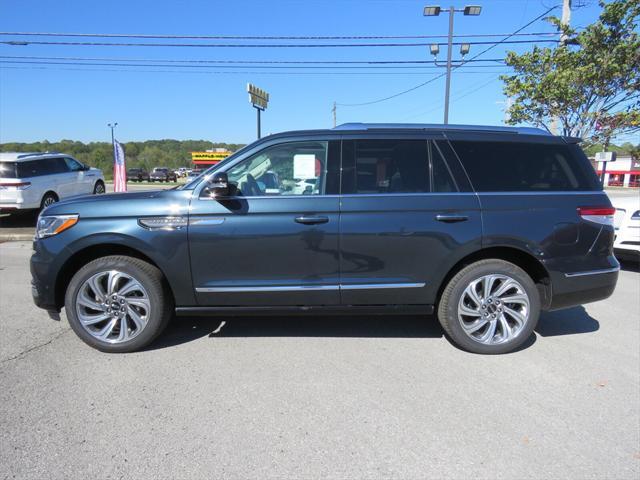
71	102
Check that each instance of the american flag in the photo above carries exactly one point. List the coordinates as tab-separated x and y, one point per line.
119	168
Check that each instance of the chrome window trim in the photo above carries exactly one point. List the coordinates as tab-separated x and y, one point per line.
300	288
592	272
347	195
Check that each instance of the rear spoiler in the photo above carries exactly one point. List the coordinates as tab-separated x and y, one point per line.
572	140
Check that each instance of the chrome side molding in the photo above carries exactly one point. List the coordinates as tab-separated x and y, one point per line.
592	272
300	288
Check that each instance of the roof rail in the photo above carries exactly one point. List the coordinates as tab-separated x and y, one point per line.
35	154
440	127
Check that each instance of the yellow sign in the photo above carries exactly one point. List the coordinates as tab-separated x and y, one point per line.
257	97
211	156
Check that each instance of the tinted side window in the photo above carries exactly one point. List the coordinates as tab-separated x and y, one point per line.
32	168
73	165
517	166
50	166
441	178
391	166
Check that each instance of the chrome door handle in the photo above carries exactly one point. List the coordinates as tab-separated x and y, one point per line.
451	218
311	220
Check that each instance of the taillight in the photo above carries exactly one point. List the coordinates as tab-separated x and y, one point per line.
17	186
601	215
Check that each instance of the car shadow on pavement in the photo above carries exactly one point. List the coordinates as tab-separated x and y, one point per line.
630	266
571	321
19	219
186	329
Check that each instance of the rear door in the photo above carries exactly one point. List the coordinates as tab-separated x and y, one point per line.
531	188
406	217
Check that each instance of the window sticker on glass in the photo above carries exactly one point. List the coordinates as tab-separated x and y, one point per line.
304	166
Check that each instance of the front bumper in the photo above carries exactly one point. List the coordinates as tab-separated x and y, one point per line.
43	278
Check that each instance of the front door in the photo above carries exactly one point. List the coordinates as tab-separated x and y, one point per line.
274	240
404	219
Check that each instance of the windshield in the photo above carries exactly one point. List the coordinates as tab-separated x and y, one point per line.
194	181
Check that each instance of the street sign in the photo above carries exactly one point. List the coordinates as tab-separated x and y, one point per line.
257	97
605	156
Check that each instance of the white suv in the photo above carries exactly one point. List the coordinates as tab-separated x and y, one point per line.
36	180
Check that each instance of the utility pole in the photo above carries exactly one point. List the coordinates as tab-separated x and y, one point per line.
565	21
334	114
433	11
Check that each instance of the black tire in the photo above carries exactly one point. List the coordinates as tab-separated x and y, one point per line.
48	199
99	188
150	277
448	305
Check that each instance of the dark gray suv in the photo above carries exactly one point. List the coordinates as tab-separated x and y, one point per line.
482	226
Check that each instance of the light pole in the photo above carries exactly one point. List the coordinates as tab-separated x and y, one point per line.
434	11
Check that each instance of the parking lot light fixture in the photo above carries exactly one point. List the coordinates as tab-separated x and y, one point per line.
472	10
432	11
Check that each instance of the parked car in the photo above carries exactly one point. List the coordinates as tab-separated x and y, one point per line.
483	226
181	172
627	226
36	180
162	174
137	175
194	173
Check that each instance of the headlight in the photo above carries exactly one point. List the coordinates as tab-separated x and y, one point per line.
54	224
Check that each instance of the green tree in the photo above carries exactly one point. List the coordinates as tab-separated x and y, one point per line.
591	83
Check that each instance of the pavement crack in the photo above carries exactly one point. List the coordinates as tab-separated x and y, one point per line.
24	353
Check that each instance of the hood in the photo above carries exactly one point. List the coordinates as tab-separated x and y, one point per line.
133	204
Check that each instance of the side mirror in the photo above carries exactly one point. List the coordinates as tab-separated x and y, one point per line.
218	185
85	167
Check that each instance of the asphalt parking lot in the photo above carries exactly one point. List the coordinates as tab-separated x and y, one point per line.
319	397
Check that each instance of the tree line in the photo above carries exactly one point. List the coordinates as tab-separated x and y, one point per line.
147	155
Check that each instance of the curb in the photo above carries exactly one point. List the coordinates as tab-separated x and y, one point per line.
16	237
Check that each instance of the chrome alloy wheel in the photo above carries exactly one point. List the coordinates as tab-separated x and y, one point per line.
48	201
113	306
493	309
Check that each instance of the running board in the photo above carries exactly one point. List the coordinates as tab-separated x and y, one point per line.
306	310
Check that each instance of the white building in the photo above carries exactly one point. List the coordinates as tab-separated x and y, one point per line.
623	172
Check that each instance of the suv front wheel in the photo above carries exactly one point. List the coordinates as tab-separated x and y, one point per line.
118	303
490	307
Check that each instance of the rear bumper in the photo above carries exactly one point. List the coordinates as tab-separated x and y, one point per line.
577	288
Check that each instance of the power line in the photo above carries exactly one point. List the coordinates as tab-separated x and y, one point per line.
257	37
242	62
501	42
292	67
254	45
228	72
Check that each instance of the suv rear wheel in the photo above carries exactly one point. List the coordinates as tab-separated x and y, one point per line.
49	199
490	306
98	189
118	304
